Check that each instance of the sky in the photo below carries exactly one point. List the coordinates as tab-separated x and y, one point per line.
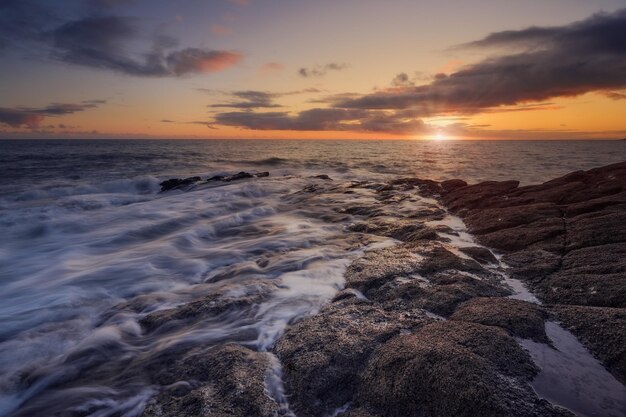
324	69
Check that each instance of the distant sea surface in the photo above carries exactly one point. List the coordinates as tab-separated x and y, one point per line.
89	246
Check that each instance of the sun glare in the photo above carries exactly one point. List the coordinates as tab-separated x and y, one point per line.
439	136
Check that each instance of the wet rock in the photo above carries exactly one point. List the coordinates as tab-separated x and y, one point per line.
480	254
478	195
221	300
519	318
367	211
178	182
450	185
426	188
323	355
452	369
322	177
222	381
444	299
239	176
400	229
566	238
262	174
602	330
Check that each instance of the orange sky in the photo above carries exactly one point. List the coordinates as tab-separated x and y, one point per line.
329	70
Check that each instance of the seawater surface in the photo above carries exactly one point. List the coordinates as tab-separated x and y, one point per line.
89	246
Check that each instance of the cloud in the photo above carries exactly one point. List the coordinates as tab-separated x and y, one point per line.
565	61
321	70
615	95
325	119
107	42
253	99
33	117
101	42
194	60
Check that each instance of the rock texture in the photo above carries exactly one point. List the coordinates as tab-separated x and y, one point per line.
566	239
426	329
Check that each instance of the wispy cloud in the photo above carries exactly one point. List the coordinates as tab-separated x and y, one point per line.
321	70
105	42
33	117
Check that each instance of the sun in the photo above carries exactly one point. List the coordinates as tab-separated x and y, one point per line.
439	136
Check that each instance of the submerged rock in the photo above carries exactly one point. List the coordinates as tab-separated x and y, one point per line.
178	182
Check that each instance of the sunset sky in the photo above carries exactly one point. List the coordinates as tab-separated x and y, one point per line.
476	69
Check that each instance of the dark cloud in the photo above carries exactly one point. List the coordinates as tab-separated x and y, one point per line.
328	119
33	117
321	70
402	80
562	61
101	42
251	99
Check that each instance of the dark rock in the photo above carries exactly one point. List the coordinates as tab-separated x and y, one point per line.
216	178
239	176
323	355
177	182
519	318
222	381
566	238
602	330
452	369
262	174
450	185
400	229
322	177
219	301
482	255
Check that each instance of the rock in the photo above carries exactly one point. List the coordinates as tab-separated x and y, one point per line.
239	176
177	182
223	381
519	318
602	330
482	255
452	369
566	238
262	174
219	301
400	229
450	185
322	177
323	355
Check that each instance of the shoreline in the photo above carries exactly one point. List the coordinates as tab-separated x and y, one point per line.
446	307
427	328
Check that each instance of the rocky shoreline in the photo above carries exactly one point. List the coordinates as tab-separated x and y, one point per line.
439	323
426	329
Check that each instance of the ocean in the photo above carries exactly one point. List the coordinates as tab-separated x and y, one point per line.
89	246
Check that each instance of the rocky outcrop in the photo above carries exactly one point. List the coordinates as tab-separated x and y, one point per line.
566	239
383	347
225	381
178	182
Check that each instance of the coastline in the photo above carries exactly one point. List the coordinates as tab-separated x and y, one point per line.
447	307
